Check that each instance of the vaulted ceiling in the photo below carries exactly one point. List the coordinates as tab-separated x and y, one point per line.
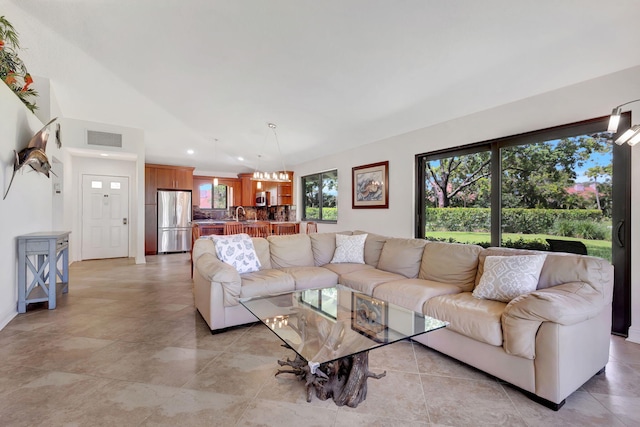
332	74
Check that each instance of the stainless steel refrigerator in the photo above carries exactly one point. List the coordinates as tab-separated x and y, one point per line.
174	221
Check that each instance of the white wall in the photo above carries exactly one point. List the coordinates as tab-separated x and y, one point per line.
27	207
80	158
591	99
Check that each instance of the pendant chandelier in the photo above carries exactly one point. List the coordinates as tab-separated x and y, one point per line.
280	176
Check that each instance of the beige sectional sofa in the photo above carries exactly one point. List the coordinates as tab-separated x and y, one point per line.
548	342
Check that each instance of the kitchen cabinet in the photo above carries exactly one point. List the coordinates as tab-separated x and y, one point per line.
151	186
173	177
285	193
281	192
249	188
150	229
160	177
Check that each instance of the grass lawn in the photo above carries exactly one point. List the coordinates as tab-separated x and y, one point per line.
599	248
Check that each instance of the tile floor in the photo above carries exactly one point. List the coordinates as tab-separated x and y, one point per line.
125	347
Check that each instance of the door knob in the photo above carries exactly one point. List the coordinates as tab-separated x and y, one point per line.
124	221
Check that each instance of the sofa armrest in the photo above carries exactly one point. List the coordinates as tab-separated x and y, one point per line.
565	304
214	270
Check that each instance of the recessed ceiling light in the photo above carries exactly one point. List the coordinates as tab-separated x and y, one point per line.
189	151
241	159
104	154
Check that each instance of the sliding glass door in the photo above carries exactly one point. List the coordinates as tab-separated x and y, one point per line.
561	189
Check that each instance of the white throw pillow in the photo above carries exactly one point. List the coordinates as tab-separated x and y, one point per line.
349	249
237	250
506	277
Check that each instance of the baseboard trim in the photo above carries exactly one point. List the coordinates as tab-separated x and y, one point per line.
8	317
634	335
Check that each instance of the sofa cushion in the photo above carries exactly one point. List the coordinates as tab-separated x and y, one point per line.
453	263
261	246
349	249
402	256
323	246
312	277
366	280
346	268
507	277
372	247
475	318
292	250
562	268
265	282
237	250
412	293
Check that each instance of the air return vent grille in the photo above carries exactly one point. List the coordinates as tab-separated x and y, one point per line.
104	139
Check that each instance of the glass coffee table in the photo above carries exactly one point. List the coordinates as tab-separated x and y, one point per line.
332	330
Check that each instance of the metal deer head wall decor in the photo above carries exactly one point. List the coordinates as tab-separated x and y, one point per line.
34	155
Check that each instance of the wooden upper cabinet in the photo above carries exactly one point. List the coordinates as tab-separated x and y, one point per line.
184	178
248	189
285	193
172	177
281	192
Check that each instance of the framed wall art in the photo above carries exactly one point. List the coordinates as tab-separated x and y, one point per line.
370	186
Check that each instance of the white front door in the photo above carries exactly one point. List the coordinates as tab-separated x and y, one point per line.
105	216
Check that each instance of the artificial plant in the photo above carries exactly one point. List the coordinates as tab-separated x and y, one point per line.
12	70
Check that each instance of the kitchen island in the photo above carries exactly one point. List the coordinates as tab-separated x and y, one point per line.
208	227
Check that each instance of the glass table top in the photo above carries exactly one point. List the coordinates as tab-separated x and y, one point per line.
322	325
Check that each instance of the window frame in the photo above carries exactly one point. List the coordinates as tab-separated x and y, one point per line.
495	146
319	177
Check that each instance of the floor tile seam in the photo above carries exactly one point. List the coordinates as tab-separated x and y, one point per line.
194	376
424	395
513	403
457	377
616	416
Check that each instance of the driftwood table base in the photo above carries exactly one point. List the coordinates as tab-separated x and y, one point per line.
344	380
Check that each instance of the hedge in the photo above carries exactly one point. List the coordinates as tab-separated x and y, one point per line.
514	220
328	214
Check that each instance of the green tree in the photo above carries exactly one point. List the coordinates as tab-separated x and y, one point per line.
458	178
535	175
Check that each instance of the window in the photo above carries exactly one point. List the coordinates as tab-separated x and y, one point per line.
521	191
212	197
220	197
319	201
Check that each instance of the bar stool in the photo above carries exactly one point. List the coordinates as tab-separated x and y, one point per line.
312	227
285	228
258	229
233	228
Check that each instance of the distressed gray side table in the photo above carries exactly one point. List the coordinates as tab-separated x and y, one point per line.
39	254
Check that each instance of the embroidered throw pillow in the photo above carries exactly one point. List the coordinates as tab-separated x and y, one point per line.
349	249
237	250
506	277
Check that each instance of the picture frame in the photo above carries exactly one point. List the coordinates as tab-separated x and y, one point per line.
369	317
370	186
